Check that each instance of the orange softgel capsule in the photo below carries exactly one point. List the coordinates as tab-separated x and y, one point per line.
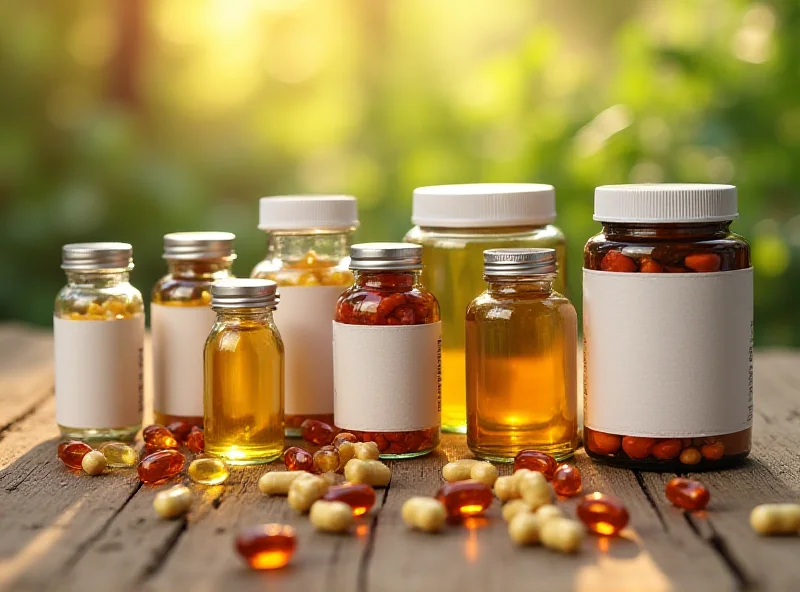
603	514
180	430
344	437
687	494
71	453
160	466
297	459
359	496
567	480
268	546
464	498
196	440
533	460
157	437
317	432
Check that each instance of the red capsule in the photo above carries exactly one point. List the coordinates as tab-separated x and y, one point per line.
181	430
603	514
536	461
71	453
687	494
268	546
637	447
602	443
359	496
464	498
317	432
157	437
160	466
196	440
297	459
667	449
567	480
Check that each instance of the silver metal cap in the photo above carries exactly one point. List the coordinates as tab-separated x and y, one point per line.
388	256
199	245
516	262
96	256
244	293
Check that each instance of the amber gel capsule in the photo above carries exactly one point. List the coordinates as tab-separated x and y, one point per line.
603	514
268	546
464	498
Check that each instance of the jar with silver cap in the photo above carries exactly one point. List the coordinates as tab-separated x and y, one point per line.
454	225
99	332
243	400
387	352
521	368
180	320
308	255
668	321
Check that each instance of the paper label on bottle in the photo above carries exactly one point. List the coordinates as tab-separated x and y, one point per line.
387	379
98	367
668	355
304	318
179	336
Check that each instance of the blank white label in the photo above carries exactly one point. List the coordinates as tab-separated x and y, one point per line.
387	379
668	355
99	372
179	337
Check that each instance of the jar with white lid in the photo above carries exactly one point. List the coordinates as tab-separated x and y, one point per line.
668	322
454	225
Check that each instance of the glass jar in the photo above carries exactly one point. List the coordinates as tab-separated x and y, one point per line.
668	321
243	401
181	318
521	347
387	352
455	224
98	328
308	255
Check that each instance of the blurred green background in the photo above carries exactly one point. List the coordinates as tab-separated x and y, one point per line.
124	120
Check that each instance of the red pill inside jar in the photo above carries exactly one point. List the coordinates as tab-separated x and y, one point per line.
317	432
297	459
637	447
603	514
534	460
160	466
71	453
359	496
267	546
462	499
567	481
602	443
667	449
687	494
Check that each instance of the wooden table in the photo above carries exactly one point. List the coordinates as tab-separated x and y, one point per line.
64	531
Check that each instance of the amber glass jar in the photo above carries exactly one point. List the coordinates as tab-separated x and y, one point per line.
668	317
387	352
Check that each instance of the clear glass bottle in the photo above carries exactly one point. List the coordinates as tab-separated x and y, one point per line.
521	351
308	255
181	318
454	225
99	333
668	318
387	352
243	402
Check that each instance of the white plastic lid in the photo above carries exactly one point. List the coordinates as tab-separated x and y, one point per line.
665	203
479	205
308	212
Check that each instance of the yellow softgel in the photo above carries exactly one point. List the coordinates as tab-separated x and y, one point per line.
208	471
119	455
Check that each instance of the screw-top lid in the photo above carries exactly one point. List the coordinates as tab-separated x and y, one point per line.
479	205
199	245
519	261
308	212
388	256
96	256
665	203
244	293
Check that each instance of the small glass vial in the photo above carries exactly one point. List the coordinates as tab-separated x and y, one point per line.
181	318
387	352
99	333
454	225
243	401
308	255
521	351
667	321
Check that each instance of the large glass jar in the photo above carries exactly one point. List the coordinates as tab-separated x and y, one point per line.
668	318
181	318
99	333
521	359
243	401
308	255
454	225
386	344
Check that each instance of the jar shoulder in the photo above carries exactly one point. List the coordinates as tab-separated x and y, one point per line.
78	301
490	307
170	289
458	238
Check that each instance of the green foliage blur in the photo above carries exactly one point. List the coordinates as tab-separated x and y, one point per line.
124	120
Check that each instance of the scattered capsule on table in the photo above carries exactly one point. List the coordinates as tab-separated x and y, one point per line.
567	481
208	471
533	488
347	451
534	460
268	546
119	454
366	451
772	519
687	494
173	502
326	459
305	490
317	432
523	528
462	499
71	453
94	463
603	514
359	496
331	516
278	482
458	470
157	437
196	440
371	472
344	437
297	459
424	513
506	488
180	430
160	466
562	535
514	507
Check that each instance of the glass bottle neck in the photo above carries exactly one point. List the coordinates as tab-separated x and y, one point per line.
212	270
388	279
535	285
699	231
294	246
100	278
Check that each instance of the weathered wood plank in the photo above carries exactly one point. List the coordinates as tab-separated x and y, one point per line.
26	371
